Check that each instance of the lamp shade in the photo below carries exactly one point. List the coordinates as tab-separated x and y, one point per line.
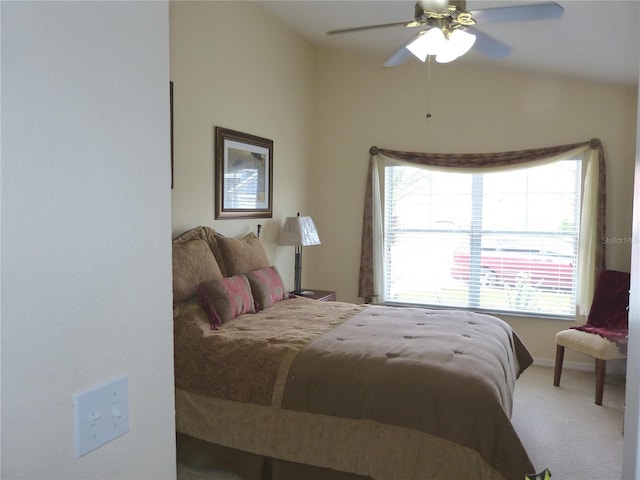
299	231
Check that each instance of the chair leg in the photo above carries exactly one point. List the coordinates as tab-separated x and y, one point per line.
558	368
601	371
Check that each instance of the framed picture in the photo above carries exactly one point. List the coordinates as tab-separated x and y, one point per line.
244	175
171	126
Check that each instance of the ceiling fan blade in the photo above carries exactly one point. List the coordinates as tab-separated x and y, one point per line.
401	55
515	13
489	46
396	58
373	27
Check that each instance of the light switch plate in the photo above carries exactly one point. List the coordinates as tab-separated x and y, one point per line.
101	414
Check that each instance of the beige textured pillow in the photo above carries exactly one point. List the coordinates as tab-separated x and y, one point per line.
211	236
196	232
193	263
242	255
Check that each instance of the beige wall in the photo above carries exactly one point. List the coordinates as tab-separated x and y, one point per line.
325	109
86	260
234	66
473	110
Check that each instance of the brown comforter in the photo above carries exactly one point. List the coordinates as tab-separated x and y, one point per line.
447	373
304	380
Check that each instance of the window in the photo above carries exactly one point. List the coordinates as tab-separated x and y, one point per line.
500	241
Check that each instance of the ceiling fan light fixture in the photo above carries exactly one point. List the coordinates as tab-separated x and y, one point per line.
429	43
445	45
459	43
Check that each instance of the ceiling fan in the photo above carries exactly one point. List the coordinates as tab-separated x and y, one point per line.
449	31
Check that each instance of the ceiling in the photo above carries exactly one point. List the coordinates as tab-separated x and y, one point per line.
593	40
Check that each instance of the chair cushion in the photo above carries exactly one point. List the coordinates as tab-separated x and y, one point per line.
589	344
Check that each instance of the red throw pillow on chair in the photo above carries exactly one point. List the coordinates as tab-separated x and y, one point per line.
610	301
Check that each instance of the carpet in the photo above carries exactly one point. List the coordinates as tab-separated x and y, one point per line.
564	430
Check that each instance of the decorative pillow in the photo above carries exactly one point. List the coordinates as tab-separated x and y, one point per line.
267	286
610	301
242	255
193	263
211	236
225	299
189	235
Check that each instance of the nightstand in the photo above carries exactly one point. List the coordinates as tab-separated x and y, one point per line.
322	295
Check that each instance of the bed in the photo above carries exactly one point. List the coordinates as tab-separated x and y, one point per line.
331	390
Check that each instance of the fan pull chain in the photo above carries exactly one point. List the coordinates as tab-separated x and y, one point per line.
428	86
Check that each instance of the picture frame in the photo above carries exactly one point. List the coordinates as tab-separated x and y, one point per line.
243	175
171	126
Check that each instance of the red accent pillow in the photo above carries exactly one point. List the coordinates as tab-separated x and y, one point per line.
225	299
610	301
267	286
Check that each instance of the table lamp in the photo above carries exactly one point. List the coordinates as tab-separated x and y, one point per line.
299	232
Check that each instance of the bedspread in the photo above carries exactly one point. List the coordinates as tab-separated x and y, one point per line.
347	387
240	362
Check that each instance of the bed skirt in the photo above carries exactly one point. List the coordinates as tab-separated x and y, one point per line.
199	454
352	446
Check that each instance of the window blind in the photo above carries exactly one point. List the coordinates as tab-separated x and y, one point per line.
503	241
